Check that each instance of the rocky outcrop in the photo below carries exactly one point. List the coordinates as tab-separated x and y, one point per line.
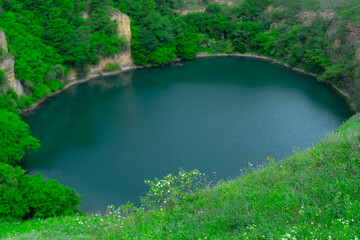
224	2
187	11
308	17
354	37
354	34
3	42
271	9
122	59
7	65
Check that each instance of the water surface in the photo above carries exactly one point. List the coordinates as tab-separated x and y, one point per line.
106	136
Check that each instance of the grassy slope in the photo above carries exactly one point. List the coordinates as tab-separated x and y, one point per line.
314	194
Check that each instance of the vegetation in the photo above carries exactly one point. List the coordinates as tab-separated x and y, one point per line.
24	196
49	37
311	195
15	138
314	194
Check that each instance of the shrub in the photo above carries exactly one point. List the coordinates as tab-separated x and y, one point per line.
112	67
168	191
14	138
163	55
24	196
187	45
8	103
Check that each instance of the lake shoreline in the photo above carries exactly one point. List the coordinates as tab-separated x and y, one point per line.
198	55
76	82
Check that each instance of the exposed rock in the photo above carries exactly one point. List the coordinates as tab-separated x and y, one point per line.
224	2
354	34
84	15
277	24
7	65
308	17
3	43
122	59
331	34
271	9
336	43
357	53
186	12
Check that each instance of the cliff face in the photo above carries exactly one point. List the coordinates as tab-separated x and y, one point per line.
354	37
122	59
308	17
3	42
7	65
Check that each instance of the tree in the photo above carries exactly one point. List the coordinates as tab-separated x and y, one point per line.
14	138
187	45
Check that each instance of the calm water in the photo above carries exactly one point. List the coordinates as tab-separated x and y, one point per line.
106	136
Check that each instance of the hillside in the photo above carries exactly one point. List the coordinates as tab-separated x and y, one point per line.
48	45
313	194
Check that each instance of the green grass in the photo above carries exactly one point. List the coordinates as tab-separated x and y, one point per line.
311	195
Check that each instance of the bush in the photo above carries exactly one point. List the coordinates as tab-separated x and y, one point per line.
2	77
24	196
168	191
163	55
8	103
14	138
187	45
112	67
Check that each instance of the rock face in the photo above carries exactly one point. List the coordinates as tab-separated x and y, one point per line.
7	65
354	34
3	42
123	59
354	37
308	17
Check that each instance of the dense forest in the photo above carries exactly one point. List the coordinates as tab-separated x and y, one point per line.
49	39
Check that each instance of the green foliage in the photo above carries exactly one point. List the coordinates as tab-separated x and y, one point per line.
186	45
112	67
56	72
2	77
48	37
7	103
25	196
167	192
350	12
25	101
103	40
261	42
163	55
252	9
15	138
313	194
277	15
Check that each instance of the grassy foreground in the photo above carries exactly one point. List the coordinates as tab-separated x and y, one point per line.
311	195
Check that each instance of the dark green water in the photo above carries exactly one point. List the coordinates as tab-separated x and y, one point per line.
106	136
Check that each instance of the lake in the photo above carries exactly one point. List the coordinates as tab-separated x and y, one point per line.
106	136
